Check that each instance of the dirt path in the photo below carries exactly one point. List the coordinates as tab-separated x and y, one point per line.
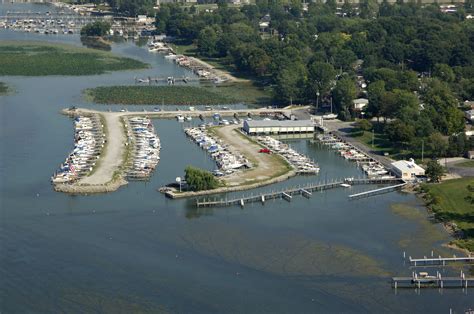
111	158
264	166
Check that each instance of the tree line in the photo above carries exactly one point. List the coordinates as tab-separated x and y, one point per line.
418	62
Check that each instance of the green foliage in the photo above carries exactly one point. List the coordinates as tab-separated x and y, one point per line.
48	59
153	95
200	180
434	171
3	88
343	94
364	125
98	28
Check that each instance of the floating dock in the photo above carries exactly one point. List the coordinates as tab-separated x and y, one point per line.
377	191
288	193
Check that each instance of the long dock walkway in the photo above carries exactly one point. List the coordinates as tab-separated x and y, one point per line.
377	191
287	193
442	261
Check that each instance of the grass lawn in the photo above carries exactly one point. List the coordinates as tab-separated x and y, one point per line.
466	164
380	141
448	202
153	95
39	59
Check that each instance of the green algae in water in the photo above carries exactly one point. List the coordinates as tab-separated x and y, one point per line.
426	232
289	255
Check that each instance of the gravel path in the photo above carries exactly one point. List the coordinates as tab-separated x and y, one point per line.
264	166
111	158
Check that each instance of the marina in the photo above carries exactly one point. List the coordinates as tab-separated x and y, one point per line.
145	154
372	167
89	141
301	163
227	161
134	250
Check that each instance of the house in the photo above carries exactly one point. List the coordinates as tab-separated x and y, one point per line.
469	114
360	103
470	154
278	127
407	169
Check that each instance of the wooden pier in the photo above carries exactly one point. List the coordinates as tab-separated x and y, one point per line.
377	191
416	281
287	193
440	261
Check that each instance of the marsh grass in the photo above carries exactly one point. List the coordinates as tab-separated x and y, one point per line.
40	59
152	95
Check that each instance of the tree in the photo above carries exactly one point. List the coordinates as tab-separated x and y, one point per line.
444	72
199	180
376	90
434	171
369	9
343	94
321	76
207	40
289	82
364	125
98	28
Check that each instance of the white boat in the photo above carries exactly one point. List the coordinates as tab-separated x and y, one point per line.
180	118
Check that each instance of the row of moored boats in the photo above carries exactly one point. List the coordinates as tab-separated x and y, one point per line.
146	152
302	163
371	167
88	143
227	162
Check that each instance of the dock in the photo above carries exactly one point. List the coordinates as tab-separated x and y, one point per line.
440	261
287	194
377	191
437	281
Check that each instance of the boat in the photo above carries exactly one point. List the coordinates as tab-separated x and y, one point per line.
180	118
345	185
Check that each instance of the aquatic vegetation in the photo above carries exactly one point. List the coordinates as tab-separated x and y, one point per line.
3	88
152	95
39	59
426	234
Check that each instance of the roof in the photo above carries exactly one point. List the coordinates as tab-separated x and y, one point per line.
405	165
277	123
361	101
471	112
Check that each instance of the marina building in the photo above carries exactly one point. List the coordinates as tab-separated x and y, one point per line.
278	127
407	169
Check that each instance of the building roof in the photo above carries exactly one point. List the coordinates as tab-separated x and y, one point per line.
277	123
361	101
407	166
471	112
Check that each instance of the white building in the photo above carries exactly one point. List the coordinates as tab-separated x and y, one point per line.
407	169
360	103
278	127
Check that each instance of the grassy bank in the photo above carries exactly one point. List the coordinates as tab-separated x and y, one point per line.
39	59
153	95
3	88
451	201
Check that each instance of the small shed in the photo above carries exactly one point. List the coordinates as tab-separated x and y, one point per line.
470	154
469	114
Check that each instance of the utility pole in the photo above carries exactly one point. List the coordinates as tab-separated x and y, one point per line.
373	135
422	149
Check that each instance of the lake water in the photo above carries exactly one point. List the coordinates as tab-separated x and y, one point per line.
136	251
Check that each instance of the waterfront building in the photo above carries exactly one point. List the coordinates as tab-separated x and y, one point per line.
407	169
278	127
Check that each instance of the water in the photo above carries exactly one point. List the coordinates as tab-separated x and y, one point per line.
134	250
